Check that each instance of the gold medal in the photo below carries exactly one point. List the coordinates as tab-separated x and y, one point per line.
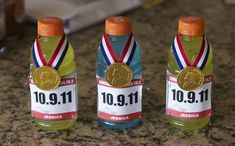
46	78
190	78
118	75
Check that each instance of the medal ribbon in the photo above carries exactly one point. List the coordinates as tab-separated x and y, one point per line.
182	59
57	56
126	55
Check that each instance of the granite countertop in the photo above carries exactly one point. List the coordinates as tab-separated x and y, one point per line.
154	28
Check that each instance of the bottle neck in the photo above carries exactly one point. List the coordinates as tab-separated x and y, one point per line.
113	38
191	45
49	43
187	38
118	43
48	39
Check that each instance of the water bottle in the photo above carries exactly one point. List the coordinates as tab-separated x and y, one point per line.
119	76
53	79
189	76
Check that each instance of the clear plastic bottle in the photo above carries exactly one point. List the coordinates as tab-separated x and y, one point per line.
50	31
191	33
118	39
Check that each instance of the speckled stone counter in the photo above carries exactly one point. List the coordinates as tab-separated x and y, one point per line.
154	28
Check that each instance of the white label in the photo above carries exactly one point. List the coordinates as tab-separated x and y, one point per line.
188	104
58	104
119	104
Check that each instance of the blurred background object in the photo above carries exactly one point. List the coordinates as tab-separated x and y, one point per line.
2	48
230	2
11	20
2	28
78	14
12	17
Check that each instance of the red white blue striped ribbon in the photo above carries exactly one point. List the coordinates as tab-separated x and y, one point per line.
57	56
126	55
182	59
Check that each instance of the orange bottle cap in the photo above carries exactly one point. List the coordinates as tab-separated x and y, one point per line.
191	26
118	25
50	26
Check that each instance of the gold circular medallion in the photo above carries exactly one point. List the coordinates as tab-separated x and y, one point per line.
190	78
46	78
118	75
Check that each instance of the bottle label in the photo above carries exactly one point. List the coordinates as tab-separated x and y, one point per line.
188	104
57	104
119	104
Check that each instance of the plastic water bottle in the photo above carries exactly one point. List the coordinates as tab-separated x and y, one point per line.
119	76
53	79
189	76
